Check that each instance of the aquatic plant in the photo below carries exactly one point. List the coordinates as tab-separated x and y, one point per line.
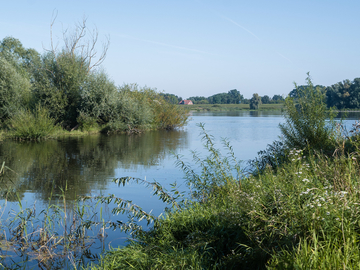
57	237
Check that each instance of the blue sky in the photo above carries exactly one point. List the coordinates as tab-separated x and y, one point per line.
200	48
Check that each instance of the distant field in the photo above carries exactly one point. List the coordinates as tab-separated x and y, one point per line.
230	107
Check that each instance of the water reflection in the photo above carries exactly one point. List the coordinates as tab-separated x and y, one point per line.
79	164
348	115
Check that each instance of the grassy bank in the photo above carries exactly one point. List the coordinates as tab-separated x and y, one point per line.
231	107
303	217
298	210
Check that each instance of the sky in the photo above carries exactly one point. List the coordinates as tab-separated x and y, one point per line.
204	47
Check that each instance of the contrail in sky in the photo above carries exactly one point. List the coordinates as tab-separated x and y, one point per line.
284	57
164	44
247	30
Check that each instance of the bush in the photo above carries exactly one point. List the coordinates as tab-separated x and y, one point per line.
306	125
272	157
28	125
87	123
168	116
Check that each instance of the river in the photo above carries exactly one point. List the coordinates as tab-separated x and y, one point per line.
85	166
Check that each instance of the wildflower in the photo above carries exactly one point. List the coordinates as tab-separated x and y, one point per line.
328	213
319	204
306	180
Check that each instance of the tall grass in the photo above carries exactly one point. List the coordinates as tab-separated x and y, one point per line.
304	216
31	125
56	237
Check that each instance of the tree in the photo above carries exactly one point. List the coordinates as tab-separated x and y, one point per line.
234	97
171	98
265	99
277	99
15	76
82	43
345	94
255	102
14	90
62	74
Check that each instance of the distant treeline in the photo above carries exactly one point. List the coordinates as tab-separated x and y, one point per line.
342	95
231	97
69	87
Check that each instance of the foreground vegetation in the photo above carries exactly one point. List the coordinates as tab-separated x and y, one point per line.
298	209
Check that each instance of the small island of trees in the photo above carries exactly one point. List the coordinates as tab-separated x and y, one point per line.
66	89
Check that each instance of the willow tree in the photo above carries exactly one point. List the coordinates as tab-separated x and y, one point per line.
255	102
62	74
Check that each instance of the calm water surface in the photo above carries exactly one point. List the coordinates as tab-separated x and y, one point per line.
87	165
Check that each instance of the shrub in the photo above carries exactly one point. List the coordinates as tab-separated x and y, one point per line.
87	123
273	156
168	116
31	125
306	125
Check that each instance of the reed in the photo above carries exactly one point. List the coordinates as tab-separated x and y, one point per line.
57	237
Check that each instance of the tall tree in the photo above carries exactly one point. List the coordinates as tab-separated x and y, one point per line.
265	99
255	102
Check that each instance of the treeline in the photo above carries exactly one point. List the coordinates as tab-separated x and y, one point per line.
233	97
342	95
68	88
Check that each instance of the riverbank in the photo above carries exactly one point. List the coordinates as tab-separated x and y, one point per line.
297	210
303	216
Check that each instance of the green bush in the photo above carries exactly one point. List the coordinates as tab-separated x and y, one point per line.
87	123
168	116
31	125
306	125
